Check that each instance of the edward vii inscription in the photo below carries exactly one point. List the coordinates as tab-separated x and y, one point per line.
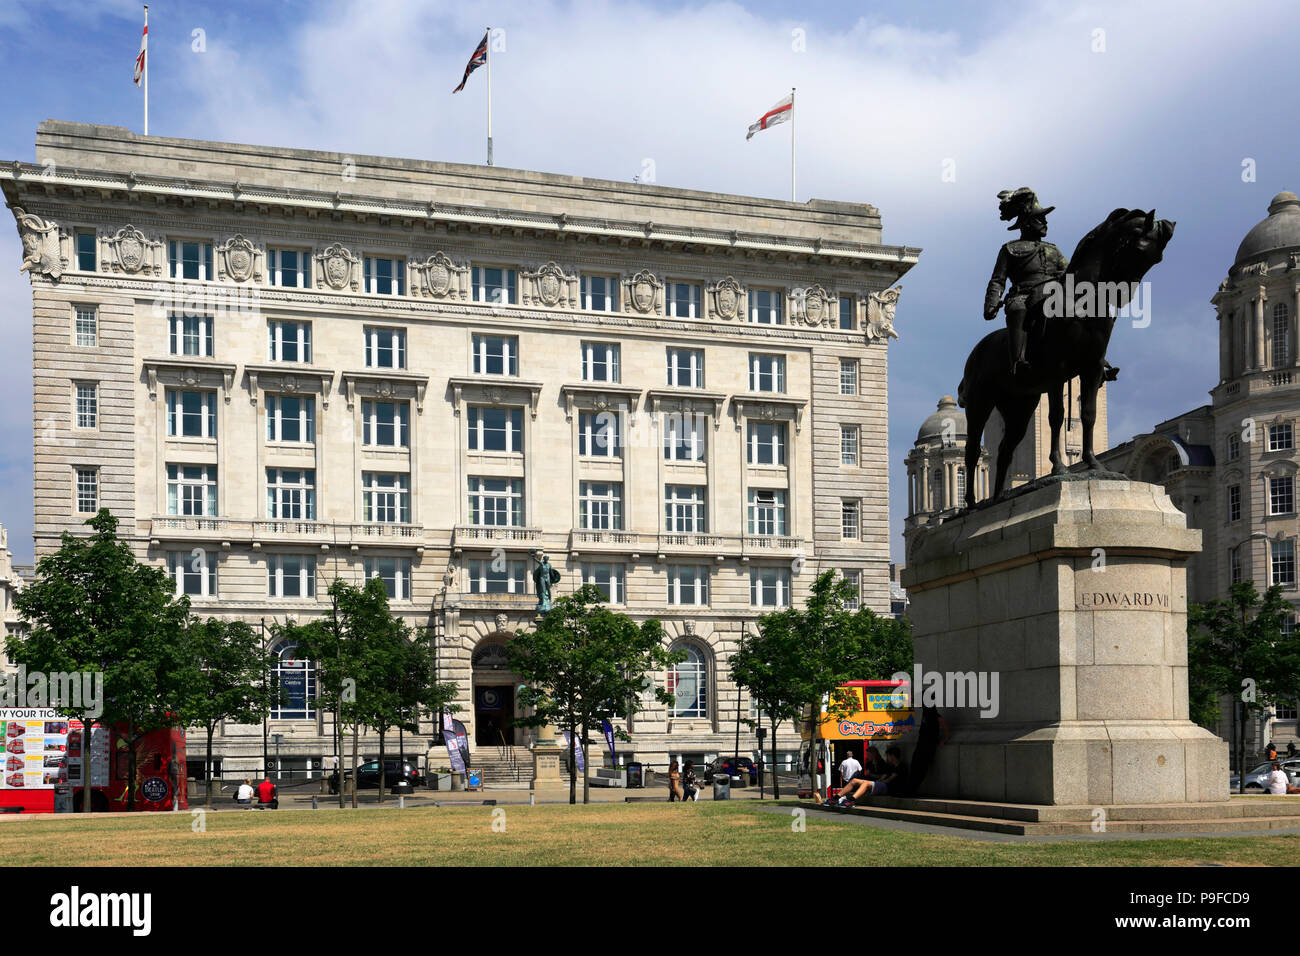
1090	597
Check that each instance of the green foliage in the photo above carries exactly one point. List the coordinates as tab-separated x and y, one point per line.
228	680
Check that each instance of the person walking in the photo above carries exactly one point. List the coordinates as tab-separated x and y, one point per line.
848	767
674	782
690	788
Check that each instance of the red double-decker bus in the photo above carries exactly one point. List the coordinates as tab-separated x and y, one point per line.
49	757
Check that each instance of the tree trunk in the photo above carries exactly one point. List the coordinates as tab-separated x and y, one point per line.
776	785
1241	751
356	731
381	767
338	752
207	769
85	763
130	778
573	763
586	781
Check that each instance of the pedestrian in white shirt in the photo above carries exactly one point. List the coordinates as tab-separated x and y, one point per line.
848	767
244	796
1277	780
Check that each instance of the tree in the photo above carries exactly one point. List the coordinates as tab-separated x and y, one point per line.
585	663
95	609
801	656
1236	647
228	681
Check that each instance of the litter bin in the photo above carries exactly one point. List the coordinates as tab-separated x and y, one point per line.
635	776
721	786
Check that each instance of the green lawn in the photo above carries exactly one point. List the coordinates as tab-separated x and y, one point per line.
616	835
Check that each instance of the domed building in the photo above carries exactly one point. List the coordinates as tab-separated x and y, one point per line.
1231	465
936	467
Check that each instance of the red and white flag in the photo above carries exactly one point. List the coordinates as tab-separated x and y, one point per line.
780	113
143	54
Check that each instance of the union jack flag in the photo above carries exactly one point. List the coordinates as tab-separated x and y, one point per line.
475	61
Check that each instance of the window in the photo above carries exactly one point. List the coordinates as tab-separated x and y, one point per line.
685	510
682	300
291	493
1288	628
291	576
385	348
85	239
496	355
87	480
494	285
1234	446
849	445
1281	495
686	368
1281	437
600	293
1234	565
766	441
190	260
854	578
195	572
765	306
191	414
600	362
688	682
385	276
600	505
192	490
1286	711
600	434
610	580
961	483
86	326
684	436
766	373
495	429
1282	570
1281	336
1234	502
394	572
191	335
288	341
493	576
290	418
846	312
766	511
688	584
87	404
496	501
386	498
289	267
848	376
850	520
295	681
769	587
385	423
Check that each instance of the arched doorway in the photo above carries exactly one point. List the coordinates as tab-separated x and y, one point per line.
494	696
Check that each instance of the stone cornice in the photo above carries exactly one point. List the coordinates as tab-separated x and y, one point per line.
494	390
596	392
301	377
186	370
385	383
755	405
685	399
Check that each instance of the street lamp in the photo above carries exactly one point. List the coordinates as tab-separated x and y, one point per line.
277	738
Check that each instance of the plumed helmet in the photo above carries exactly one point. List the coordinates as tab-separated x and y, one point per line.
1020	204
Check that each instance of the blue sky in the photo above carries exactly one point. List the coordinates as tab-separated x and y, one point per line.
1161	108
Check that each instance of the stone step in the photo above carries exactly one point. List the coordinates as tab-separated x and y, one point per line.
1261	806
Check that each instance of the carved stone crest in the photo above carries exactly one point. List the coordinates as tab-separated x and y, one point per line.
385	389
812	306
238	260
336	267
439	277
880	314
40	239
550	287
130	251
643	293
725	299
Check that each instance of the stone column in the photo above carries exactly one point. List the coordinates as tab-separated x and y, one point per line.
1260	359
1295	325
1225	346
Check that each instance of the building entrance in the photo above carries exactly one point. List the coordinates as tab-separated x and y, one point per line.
494	710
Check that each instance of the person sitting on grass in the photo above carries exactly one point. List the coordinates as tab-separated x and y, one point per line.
893	780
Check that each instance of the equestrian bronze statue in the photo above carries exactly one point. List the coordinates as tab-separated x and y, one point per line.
1059	319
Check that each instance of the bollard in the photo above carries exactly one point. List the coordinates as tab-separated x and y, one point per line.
401	802
313	802
532	799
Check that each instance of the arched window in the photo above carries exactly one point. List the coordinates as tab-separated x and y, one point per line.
1281	336
688	682
295	679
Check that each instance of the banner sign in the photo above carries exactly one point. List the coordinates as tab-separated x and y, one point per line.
609	739
453	745
575	748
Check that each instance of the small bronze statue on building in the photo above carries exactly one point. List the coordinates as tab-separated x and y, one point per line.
544	578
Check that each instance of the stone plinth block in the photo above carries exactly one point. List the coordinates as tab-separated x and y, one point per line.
1055	623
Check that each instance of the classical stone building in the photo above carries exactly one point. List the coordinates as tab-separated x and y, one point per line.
1231	465
279	366
13	578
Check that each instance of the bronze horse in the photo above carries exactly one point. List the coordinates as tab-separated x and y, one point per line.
1110	260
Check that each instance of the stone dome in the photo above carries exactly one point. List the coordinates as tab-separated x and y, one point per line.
1281	230
934	428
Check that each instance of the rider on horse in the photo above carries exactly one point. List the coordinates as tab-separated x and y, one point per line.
1029	262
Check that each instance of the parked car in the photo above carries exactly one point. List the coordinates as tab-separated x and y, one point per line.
368	774
1257	779
735	768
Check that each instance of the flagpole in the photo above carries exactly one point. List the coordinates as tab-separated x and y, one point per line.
792	122
146	69
487	55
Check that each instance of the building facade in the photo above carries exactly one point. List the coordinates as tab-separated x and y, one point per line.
278	367
1231	465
